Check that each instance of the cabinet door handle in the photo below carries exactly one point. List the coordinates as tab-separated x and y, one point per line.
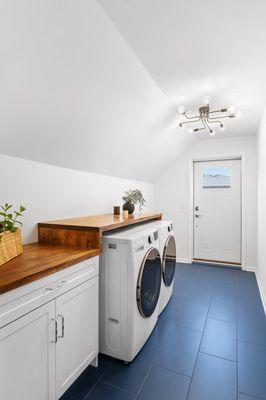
62	326
55	330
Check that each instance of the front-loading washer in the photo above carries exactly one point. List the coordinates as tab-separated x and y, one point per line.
130	283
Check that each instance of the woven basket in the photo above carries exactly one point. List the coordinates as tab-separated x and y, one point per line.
10	245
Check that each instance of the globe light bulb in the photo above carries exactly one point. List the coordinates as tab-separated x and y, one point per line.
190	113
191	130
181	110
206	100
222	128
231	109
182	126
238	114
212	132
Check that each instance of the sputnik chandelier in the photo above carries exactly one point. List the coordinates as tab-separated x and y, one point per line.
207	118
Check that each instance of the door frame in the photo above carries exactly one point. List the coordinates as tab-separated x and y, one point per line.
192	160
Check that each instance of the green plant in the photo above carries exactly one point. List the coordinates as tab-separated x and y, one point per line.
134	196
9	220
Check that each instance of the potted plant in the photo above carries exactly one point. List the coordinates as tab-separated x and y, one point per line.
131	198
10	232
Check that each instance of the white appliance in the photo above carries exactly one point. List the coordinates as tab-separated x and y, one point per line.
130	283
167	246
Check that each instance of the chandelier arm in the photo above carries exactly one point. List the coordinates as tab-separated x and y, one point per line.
206	124
214	122
216	111
196	116
190	122
199	129
221	117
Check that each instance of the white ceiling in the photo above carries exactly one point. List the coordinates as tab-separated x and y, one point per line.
74	94
196	48
87	87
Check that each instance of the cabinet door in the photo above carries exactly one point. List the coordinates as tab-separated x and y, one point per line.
77	346
27	356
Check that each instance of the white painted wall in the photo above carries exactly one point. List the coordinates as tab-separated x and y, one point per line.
50	192
73	93
172	190
261	270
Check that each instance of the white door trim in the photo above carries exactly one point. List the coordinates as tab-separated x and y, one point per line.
238	156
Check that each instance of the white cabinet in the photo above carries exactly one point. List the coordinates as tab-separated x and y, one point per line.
77	346
27	356
44	351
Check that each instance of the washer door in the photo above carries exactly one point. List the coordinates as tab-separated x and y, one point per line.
149	283
169	260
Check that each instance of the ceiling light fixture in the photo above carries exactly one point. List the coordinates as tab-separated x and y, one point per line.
207	117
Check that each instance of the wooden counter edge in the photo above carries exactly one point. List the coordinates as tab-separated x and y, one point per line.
55	266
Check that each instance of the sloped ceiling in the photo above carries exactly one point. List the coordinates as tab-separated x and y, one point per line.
74	94
196	48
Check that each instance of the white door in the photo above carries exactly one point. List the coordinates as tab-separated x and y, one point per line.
217	211
27	356
77	346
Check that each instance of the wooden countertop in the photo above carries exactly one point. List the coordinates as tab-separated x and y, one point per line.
100	222
39	260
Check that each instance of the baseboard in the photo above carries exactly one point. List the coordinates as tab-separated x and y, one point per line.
183	260
262	296
249	268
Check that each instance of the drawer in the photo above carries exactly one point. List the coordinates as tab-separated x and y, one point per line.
22	300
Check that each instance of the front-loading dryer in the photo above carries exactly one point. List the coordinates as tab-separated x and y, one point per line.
130	283
167	247
168	255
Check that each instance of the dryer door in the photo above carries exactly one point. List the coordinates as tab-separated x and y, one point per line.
149	283
169	260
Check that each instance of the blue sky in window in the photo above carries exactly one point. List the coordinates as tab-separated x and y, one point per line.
217	171
219	177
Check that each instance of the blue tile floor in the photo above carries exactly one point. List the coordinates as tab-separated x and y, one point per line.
209	343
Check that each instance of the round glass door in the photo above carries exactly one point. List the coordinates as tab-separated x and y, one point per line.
149	283
169	261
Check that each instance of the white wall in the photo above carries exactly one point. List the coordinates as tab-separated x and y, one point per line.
50	192
261	270
172	190
73	93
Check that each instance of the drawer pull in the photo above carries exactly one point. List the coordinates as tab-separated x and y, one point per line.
49	289
61	283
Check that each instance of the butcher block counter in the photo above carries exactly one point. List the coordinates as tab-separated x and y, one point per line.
38	261
86	232
62	244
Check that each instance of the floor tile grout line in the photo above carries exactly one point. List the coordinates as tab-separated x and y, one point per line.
214	355
254	344
154	359
152	365
199	348
250	395
222	320
171	370
116	387
98	380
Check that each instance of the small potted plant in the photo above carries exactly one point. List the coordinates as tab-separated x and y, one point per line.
10	232
131	198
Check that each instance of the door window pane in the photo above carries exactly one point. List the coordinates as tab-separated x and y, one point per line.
218	177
